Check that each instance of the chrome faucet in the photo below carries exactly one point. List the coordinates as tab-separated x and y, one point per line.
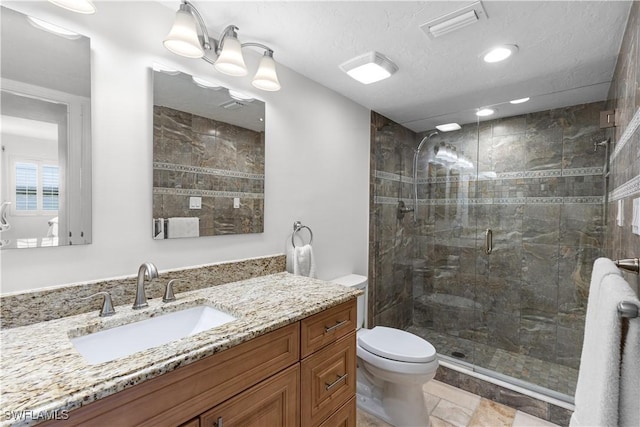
151	272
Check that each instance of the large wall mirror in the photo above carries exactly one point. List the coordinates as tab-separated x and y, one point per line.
208	159
45	191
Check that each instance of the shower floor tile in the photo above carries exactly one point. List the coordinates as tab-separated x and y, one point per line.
552	376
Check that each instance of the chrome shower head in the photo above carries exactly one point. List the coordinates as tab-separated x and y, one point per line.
425	139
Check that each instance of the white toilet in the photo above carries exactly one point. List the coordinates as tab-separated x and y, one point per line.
393	365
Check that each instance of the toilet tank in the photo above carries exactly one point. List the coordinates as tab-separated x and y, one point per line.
355	281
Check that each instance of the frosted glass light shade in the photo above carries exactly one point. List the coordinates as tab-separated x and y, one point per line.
183	37
369	68
266	77
80	6
231	61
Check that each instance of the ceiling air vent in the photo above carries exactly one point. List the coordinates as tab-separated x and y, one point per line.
232	105
455	20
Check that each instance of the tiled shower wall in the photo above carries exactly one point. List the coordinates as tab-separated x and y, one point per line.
624	181
197	156
538	187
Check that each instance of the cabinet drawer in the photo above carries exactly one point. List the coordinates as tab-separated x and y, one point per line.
328	380
273	402
343	417
327	326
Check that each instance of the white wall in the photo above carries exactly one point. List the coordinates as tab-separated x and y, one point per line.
316	171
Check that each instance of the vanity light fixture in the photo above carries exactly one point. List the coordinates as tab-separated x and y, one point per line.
448	127
369	68
519	101
80	6
189	37
500	53
164	69
485	112
239	96
53	29
205	83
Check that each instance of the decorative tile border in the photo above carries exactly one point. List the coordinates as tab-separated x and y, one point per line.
591	200
547	173
632	127
389	176
628	189
206	171
205	193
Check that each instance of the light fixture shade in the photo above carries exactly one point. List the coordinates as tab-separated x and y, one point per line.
448	127
266	77
231	61
183	37
80	6
369	68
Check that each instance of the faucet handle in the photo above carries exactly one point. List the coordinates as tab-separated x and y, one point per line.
168	292
107	304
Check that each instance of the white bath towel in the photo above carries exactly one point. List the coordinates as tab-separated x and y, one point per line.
183	227
630	375
303	262
598	388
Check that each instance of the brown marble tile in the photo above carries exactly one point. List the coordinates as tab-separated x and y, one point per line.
364	419
492	414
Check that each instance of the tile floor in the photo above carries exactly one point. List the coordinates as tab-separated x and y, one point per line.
449	406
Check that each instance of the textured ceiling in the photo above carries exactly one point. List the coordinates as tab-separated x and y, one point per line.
567	51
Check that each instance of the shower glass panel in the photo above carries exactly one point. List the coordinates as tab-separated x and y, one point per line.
535	183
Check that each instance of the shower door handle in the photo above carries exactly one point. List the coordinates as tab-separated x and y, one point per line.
488	241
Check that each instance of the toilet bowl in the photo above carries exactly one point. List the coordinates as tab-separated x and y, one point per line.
393	366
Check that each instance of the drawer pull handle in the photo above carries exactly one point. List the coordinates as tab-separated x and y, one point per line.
336	382
328	329
218	423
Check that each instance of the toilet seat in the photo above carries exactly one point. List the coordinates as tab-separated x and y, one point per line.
397	345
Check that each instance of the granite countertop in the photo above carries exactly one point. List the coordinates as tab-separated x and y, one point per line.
41	373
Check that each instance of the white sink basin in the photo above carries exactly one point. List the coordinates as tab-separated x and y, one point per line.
121	341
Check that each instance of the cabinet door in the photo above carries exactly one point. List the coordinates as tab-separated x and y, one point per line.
343	417
328	380
193	423
273	402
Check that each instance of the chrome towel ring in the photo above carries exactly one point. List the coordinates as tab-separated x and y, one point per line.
297	226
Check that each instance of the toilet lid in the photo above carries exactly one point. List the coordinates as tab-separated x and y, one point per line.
397	345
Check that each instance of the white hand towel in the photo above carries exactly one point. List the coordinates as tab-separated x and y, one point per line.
303	262
183	227
598	387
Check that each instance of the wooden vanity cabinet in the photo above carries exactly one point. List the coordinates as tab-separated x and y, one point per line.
261	382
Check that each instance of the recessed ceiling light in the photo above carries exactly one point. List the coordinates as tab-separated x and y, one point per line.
519	101
448	127
485	112
500	53
369	68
